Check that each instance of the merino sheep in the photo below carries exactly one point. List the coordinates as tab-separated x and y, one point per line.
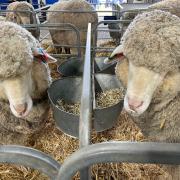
150	69
173	6
114	31
24	82
78	19
23	13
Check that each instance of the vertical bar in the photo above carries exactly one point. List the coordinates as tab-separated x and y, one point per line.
86	103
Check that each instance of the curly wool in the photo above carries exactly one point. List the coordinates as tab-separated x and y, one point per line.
15	50
16	59
171	6
152	40
78	19
12	127
23	9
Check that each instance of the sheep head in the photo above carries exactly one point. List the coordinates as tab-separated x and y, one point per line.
22	67
22	13
151	47
18	89
141	83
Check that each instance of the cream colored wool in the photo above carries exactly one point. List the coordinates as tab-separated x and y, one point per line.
78	19
153	40
173	6
18	10
16	59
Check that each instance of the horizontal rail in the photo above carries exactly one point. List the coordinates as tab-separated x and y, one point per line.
29	157
132	152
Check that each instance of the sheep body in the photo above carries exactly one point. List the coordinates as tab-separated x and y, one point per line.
16	61
152	41
23	13
172	6
80	20
116	36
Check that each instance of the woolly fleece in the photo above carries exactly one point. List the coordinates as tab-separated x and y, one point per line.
15	50
27	11
16	59
152	40
173	6
80	20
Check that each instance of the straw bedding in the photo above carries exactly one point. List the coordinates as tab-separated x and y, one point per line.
60	146
109	98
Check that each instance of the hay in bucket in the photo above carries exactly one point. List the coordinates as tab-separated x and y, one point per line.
70	108
109	97
103	100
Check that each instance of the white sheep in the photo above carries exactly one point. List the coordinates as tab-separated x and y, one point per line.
149	68
23	13
78	19
115	32
173	6
24	79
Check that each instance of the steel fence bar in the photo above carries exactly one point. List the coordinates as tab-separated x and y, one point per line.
132	152
86	102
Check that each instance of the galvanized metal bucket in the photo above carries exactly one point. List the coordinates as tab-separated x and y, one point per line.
69	89
105	118
74	67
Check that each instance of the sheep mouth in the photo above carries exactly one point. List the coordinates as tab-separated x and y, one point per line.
21	110
139	110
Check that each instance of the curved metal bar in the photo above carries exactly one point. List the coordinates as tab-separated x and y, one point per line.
29	157
132	152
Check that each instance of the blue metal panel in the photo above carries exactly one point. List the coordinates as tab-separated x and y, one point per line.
51	1
3	4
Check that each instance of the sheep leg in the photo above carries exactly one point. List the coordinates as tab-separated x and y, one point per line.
67	50
58	50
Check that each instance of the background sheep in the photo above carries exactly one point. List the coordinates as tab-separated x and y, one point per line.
23	85
115	33
172	6
23	13
80	20
150	71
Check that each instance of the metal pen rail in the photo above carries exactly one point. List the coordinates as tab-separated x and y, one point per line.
86	103
61	27
131	152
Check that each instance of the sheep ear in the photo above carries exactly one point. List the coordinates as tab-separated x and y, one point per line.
42	56
116	55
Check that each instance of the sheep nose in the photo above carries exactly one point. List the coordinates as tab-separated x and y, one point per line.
20	108
134	104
